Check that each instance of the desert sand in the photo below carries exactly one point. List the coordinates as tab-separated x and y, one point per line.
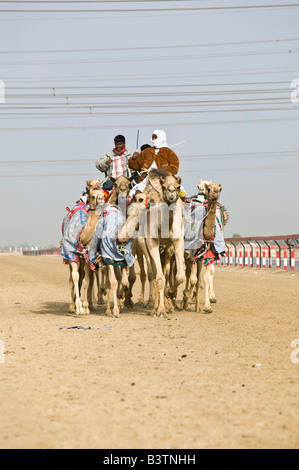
223	380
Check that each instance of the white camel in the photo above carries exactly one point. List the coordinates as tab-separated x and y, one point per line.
79	265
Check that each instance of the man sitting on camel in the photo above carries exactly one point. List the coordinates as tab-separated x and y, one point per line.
158	156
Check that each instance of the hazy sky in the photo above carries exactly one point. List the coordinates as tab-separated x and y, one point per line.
218	79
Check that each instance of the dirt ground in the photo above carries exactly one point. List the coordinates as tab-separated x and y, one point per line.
197	381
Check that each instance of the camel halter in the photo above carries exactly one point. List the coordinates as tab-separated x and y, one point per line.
153	185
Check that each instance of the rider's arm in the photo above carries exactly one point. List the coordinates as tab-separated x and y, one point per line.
173	162
103	163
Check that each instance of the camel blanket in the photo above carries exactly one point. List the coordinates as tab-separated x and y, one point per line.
104	239
194	215
71	228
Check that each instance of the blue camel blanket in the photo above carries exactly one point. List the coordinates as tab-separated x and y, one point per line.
104	239
194	216
71	228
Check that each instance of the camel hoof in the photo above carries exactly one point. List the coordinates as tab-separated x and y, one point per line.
164	315
213	300
79	310
129	303
207	310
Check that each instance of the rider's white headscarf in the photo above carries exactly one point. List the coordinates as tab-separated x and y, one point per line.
160	141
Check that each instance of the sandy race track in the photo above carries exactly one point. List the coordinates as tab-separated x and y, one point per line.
197	381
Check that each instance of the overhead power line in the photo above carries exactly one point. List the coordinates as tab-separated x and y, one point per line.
169	85
125	125
163	104
143	48
214	156
89	112
123	10
157	76
198	171
152	58
89	1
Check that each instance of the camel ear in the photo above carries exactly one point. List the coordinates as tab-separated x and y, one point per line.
87	183
220	186
179	179
207	186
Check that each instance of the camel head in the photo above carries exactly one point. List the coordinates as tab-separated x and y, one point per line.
202	187
171	188
140	197
143	199
91	185
213	191
134	214
96	198
122	186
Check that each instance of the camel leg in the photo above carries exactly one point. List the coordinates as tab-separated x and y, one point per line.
186	291
101	280
122	284
160	281
177	266
75	277
114	288
206	280
191	280
150	301
140	260
98	275
168	266
132	279
113	278
212	294
88	285
156	296
108	289
198	286
72	307
150	275
81	273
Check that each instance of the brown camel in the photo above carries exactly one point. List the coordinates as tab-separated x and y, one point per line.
163	228
198	273
152	194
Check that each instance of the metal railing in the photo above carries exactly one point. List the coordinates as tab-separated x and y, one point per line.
258	251
42	252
